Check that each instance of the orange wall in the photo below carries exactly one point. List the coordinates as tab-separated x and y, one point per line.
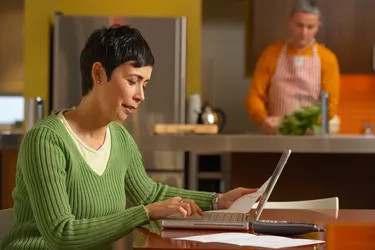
357	103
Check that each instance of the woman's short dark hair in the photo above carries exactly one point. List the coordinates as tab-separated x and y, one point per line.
112	47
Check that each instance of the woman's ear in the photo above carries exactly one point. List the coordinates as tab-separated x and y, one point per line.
97	73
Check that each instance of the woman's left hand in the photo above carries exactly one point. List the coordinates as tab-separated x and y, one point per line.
227	199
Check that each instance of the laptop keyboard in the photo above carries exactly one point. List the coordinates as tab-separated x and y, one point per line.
214	217
226	217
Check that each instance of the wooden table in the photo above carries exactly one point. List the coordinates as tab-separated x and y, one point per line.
353	229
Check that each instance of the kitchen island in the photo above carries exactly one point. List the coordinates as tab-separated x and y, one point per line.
9	146
259	143
342	166
319	166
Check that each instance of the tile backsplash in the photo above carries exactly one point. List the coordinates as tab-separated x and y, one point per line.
357	103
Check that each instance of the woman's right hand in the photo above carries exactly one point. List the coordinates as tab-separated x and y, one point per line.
162	209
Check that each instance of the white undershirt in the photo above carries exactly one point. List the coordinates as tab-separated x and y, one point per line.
96	159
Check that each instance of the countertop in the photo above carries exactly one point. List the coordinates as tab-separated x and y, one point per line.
258	143
238	143
10	141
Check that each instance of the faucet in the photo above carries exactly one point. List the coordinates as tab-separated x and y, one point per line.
324	109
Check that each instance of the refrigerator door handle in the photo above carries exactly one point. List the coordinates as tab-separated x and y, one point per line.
180	70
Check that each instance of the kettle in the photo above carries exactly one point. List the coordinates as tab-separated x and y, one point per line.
34	111
209	115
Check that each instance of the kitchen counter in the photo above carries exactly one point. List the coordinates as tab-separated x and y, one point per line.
224	143
10	141
9	146
320	166
258	143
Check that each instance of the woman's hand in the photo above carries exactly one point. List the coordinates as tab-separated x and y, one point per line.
227	199
162	209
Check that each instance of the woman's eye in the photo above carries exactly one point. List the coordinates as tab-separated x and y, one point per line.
132	82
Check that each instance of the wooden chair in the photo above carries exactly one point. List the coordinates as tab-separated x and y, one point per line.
329	206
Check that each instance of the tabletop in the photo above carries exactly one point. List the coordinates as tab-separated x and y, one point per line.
353	229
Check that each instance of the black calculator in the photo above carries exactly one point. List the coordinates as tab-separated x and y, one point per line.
284	228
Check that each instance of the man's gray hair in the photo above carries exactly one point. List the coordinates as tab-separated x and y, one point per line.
305	6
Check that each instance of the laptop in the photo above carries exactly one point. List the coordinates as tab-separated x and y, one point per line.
227	219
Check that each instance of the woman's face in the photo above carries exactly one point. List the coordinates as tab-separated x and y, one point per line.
124	91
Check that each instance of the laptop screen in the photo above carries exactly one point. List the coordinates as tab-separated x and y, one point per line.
272	182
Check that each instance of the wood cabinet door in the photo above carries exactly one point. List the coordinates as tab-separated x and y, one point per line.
346	29
8	169
349	33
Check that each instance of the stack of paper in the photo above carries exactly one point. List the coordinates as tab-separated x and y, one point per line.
251	240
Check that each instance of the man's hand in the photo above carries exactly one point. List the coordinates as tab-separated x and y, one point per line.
270	124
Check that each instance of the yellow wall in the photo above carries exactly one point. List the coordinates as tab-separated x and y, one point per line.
11	47
39	13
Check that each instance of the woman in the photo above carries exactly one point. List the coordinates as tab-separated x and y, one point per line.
77	167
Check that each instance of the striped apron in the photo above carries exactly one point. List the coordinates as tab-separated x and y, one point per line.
293	75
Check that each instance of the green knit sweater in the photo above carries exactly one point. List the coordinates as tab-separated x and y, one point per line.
61	203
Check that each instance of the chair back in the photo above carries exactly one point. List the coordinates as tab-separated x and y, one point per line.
329	206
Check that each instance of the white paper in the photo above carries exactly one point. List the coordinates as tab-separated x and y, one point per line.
251	240
246	202
214	237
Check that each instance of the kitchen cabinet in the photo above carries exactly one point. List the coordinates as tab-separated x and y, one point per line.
317	175
346	30
349	33
8	168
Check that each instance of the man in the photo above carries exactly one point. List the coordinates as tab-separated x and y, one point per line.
298	66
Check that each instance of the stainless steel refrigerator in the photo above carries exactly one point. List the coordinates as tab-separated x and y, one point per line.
165	94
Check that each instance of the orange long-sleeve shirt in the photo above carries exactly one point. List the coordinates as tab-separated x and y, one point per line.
265	69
